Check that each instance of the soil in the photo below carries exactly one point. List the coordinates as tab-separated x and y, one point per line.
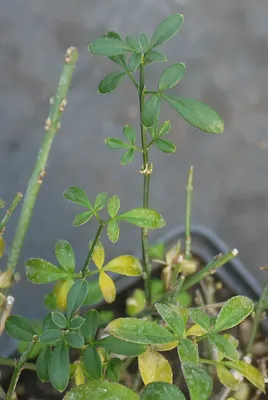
30	388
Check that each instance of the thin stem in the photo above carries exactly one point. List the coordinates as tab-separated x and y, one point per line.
92	247
257	318
205	361
133	80
12	363
218	261
146	185
51	127
189	190
2	393
10	211
18	368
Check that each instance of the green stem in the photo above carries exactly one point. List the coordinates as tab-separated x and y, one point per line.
90	254
132	79
18	368
209	269
12	363
2	393
146	185
52	126
189	190
205	361
10	211
257	318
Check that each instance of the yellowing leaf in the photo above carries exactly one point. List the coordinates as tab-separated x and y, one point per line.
6	278
107	287
196	330
98	255
79	377
60	291
166	346
154	368
2	246
124	265
227	378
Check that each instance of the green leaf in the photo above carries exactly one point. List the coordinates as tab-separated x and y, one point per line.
90	326
144	41
59	367
233	312
42	364
130	134
34	353
82	218
172	318
92	362
165	146
151	111
19	328
113	205
167	29
48	323
41	271
134	62
143	217
157	251
74	339
113	231
108	46
124	265
76	323
198	381
164	129
78	196
59	319
117	346
224	346
113	369
188	351
119	59
200	318
156	56
227	378
76	297
251	373
2	203
65	255
111	82
133	43
127	157
100	201
94	294
51	336
101	390
114	143
171	76
139	331
50	301
160	391
197	113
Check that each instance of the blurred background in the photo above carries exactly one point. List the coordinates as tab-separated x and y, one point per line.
225	47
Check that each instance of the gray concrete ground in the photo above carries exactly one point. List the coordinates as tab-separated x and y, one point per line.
225	47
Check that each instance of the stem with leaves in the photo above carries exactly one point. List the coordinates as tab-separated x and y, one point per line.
18	368
91	251
52	125
146	186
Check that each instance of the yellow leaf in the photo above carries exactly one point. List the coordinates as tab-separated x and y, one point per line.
196	330
166	346
6	279
124	265
2	246
107	287
98	255
154	368
79	377
60	291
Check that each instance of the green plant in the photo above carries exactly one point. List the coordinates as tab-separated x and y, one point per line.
161	317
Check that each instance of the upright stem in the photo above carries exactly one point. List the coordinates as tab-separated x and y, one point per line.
146	185
257	318
90	254
189	189
19	367
52	125
10	211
